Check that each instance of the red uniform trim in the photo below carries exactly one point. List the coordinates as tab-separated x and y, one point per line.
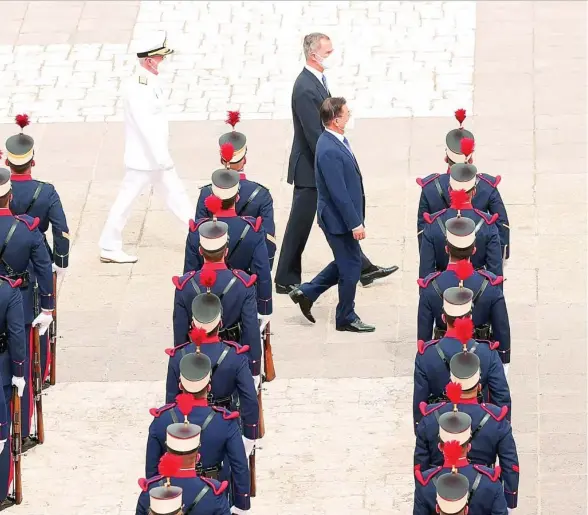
239	349
14	283
227	415
499	279
499	417
172	352
493	477
227	213
423	283
217	491
258	223
185	473
422	346
179	284
194	225
419	476
423	407
423	183
4	211
156	412
493	345
248	284
431	218
214	266
31	225
489	220
515	468
21	177
461	462
494	184
242	176
146	483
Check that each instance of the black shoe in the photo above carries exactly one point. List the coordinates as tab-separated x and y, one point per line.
7	503
377	272
304	302
282	289
46	384
357	326
28	443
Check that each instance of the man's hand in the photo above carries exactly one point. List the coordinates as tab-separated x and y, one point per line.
257	382
359	233
263	321
43	320
58	270
2	443
19	382
238	511
249	446
506	368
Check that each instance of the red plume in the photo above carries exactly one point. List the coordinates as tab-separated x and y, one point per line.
460	116
464	269
213	204
169	464
197	335
464	329
226	151
22	120
452	452
207	277
467	146
233	118
185	402
453	391
459	199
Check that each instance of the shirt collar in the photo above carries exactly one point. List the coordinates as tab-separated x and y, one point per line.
316	73
227	213
214	266
461	462
5	211
242	176
17	177
340	137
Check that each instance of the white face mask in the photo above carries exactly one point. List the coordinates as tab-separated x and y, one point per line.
325	62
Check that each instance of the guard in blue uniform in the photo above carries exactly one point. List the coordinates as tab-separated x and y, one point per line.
12	360
489	313
433	256
491	436
200	495
450	487
247	249
431	372
235	288
435	195
254	199
24	256
40	200
230	370
222	448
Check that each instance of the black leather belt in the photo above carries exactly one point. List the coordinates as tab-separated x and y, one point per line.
24	276
231	334
222	402
210	472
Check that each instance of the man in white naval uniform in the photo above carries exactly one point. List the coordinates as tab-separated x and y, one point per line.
147	157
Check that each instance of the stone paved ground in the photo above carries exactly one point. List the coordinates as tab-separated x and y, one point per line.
339	432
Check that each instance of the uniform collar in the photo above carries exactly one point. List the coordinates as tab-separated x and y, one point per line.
242	176
227	213
473	400
18	177
5	211
452	266
181	473
214	266
200	403
465	206
461	462
207	339
451	333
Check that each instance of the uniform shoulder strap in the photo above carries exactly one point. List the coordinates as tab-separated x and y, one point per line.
442	355
35	197
480	291
474	486
442	226
8	237
479	225
208	420
440	191
250	199
174	416
221	358
228	287
241	238
195	285
198	498
480	426
436	288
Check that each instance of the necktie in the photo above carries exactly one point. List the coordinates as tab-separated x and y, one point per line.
325	83
346	143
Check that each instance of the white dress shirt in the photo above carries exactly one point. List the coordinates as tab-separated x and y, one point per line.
316	73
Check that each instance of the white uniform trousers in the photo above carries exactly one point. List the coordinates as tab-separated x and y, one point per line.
166	182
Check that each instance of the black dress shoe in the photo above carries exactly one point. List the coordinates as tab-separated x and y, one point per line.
304	302
377	272
28	443
282	289
357	326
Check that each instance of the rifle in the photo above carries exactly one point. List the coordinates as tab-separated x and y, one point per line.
252	475
38	384
268	355
53	335
261	422
16	445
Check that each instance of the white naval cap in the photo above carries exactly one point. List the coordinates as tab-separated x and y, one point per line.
154	43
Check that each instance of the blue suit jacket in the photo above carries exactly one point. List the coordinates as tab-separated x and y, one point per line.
341	198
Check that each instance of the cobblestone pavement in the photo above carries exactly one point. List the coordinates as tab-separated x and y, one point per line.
395	59
339	438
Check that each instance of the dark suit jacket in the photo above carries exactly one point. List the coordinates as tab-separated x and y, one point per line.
307	96
341	199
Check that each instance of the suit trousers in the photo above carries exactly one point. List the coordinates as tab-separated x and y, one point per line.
302	214
344	271
166	182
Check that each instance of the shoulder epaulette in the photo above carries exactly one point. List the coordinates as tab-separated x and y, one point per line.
255	223
258	184
493	474
493	181
239	349
489	219
422	346
423	283
493	345
31	223
195	224
431	218
217	488
146	483
156	412
432	407
493	279
227	415
205	186
245	278
429	473
495	412
14	283
180	282
429	178
172	352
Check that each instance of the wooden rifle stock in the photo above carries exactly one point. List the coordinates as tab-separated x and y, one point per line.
37	384
53	335
16	445
252	475
268	355
261	423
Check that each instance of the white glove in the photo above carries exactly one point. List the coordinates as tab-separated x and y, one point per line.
249	446
2	443
58	270
510	510
506	367
43	320
263	321
257	382
238	511
19	382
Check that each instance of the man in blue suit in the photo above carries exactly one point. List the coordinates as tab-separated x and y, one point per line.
341	214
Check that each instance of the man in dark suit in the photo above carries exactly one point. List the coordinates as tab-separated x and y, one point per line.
310	90
341	215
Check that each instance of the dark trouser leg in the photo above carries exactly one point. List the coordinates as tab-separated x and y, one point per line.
298	228
327	277
6	471
348	260
366	264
